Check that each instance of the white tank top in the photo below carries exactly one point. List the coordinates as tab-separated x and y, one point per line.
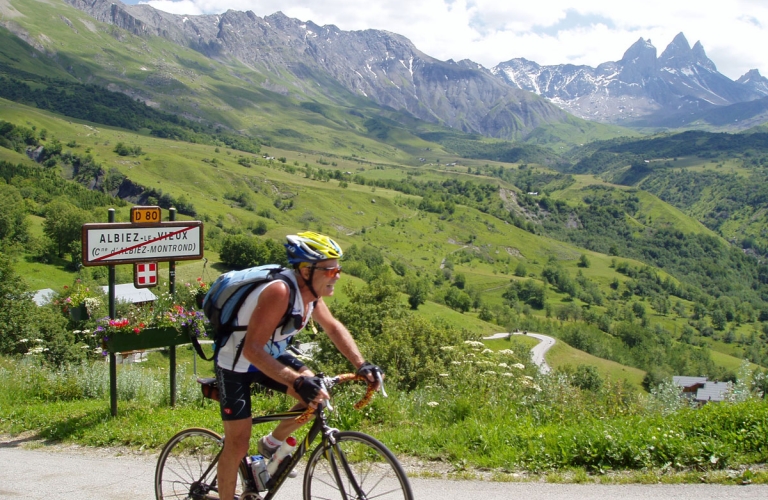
281	337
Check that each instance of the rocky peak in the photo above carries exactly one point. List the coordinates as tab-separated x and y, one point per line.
701	57
639	62
677	54
753	80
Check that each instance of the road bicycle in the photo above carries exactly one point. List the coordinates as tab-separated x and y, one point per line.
346	465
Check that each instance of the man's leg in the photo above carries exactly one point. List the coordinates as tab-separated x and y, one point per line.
237	435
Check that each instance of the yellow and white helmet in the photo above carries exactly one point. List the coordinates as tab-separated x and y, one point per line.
311	247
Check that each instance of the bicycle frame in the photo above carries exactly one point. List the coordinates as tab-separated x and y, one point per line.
319	427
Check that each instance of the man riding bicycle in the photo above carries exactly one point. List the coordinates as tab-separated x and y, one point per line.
259	355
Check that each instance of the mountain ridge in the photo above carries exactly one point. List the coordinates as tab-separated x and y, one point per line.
378	65
640	89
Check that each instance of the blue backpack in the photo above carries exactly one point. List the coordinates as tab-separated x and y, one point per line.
228	292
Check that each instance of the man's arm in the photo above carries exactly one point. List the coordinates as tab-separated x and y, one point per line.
267	314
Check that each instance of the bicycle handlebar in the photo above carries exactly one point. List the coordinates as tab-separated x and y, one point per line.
331	382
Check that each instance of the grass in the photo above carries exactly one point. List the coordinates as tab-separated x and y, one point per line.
460	420
562	355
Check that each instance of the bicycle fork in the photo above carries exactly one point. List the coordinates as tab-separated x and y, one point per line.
335	455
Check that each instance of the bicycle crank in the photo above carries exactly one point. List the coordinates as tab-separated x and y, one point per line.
250	495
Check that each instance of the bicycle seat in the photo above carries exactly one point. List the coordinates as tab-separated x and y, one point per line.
209	387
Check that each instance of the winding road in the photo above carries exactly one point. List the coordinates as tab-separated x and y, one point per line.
539	350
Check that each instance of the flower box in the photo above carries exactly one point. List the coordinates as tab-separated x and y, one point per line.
148	338
79	313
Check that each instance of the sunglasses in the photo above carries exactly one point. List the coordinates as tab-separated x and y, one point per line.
330	272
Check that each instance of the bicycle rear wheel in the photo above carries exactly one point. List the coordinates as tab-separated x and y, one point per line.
357	467
186	467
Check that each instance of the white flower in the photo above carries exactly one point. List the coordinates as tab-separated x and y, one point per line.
474	343
23	341
444	375
507	374
519	366
39	340
447	348
455	362
503	365
509	352
486	351
77	331
433	404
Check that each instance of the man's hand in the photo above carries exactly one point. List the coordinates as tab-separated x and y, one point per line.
371	372
308	388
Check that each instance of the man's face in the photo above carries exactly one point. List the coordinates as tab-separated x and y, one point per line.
327	273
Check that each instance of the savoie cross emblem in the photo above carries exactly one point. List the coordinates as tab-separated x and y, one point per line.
145	274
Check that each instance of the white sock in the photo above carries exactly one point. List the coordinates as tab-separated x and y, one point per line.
271	441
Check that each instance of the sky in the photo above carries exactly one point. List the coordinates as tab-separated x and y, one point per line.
734	33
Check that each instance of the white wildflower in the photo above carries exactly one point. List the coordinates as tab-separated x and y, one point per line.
433	404
519	366
447	348
486	351
503	365
455	362
444	375
507	374
508	352
474	343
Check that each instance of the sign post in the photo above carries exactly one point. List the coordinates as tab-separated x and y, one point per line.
145	240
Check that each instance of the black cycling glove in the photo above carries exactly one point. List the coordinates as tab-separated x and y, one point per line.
370	371
308	387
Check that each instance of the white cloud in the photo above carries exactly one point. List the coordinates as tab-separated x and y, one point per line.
734	33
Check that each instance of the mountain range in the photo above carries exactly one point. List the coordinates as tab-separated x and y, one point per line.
516	100
303	59
641	89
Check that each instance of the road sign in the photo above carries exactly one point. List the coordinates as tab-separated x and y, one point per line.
126	243
145	274
144	215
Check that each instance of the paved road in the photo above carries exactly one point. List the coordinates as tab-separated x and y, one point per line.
538	351
96	474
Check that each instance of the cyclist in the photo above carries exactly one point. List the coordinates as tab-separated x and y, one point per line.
263	358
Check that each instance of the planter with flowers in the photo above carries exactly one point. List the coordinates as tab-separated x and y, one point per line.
199	290
149	328
79	302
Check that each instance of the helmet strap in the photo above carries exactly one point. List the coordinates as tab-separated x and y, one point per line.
308	282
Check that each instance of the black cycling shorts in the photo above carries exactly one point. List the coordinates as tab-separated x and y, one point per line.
235	388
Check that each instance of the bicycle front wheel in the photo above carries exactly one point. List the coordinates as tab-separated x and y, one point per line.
186	467
357	467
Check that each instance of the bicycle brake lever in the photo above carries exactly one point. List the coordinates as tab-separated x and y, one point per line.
381	384
325	387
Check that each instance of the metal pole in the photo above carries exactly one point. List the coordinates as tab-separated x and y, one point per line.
172	290
112	314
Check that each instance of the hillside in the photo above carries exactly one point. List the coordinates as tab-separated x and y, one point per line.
278	79
608	246
451	229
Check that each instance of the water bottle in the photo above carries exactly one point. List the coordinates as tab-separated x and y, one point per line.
285	450
259	470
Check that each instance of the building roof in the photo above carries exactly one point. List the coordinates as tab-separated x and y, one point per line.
712	391
688	381
44	296
129	293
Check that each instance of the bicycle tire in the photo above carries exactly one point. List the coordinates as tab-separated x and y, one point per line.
182	465
357	467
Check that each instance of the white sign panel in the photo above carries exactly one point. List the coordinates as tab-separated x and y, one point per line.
122	243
